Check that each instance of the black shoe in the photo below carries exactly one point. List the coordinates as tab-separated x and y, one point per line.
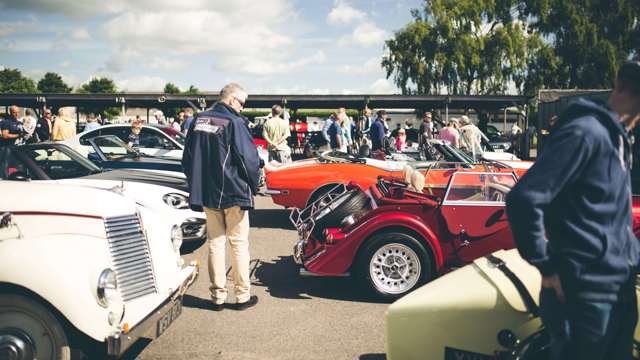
217	307
253	300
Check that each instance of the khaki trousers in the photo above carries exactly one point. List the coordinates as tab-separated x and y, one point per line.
231	224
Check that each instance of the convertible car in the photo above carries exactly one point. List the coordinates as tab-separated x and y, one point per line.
485	310
300	183
393	237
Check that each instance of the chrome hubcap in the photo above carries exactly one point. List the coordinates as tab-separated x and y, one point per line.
15	345
395	268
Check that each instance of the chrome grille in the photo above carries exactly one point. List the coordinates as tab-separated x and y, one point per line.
131	256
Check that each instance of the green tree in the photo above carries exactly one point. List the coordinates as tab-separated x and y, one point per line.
461	47
170	88
13	82
192	90
591	39
53	83
100	85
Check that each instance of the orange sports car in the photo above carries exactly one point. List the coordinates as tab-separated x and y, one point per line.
299	183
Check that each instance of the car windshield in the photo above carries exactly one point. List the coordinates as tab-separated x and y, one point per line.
479	187
59	161
113	148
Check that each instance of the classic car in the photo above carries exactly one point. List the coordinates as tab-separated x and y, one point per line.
57	163
495	316
109	152
154	141
300	183
394	238
84	271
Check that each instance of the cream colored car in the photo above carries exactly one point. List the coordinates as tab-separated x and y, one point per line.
84	270
485	310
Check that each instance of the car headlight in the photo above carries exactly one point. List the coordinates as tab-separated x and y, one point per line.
176	238
176	200
107	289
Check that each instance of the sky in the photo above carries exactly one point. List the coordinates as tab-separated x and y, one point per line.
267	46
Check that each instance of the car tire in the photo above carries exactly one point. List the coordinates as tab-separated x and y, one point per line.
352	202
28	325
320	192
393	264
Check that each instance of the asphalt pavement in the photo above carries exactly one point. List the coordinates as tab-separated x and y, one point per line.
296	317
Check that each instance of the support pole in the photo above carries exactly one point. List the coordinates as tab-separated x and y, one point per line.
147	115
77	119
504	127
124	112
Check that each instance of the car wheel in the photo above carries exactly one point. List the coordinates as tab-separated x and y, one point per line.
28	330
320	193
393	264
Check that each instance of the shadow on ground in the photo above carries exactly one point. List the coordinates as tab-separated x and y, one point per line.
373	357
282	280
270	219
191	246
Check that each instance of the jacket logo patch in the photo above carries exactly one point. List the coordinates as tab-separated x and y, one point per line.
211	125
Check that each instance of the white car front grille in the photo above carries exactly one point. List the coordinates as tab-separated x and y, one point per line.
131	256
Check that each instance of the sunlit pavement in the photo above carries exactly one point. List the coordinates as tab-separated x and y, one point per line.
296	318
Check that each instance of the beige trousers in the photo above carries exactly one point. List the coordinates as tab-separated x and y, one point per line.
231	224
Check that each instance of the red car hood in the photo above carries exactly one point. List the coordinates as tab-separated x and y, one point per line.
293	165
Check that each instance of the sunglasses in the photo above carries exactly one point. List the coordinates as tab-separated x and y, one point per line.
239	101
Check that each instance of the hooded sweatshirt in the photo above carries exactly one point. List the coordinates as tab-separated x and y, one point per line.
570	214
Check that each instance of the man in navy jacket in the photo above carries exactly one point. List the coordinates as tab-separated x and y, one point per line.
571	218
222	167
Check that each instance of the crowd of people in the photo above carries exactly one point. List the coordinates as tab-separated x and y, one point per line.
30	128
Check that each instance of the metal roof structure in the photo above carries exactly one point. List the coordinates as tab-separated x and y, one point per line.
204	100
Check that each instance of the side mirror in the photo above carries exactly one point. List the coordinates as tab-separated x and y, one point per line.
5	220
18	176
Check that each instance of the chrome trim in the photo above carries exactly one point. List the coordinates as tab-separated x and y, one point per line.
275	192
298	251
306	273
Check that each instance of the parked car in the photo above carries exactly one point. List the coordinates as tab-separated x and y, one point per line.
393	238
84	270
154	141
57	163
491	306
300	183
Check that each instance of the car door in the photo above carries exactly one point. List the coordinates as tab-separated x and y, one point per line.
155	143
473	210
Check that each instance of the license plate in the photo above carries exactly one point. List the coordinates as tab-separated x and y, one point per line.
168	318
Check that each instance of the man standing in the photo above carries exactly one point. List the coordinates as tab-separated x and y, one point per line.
325	128
426	129
378	132
571	218
276	132
92	123
64	127
44	125
11	128
336	140
470	137
222	167
188	113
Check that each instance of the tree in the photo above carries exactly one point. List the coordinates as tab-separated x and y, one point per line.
192	90
100	85
53	83
13	82
170	88
461	47
591	39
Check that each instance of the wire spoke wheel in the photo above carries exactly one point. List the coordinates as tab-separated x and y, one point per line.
395	268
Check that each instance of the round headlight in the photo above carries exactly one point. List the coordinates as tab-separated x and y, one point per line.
107	289
176	200
176	237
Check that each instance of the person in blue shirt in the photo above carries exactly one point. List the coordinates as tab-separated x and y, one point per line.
378	131
571	218
327	124
335	134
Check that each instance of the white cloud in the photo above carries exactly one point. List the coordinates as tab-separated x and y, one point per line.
141	83
65	64
371	66
383	86
365	34
2	68
343	13
71	80
8	28
269	65
80	34
166	64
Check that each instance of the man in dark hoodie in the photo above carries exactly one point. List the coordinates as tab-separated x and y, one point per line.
222	167
570	215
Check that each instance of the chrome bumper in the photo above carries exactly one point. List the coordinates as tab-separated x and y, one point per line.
194	229
119	341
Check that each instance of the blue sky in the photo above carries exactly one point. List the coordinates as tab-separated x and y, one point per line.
269	46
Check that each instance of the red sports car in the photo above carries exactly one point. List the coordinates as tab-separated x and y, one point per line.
394	239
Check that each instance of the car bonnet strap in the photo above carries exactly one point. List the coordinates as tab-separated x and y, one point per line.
522	289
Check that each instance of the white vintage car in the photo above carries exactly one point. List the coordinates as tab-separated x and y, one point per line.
84	270
486	310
